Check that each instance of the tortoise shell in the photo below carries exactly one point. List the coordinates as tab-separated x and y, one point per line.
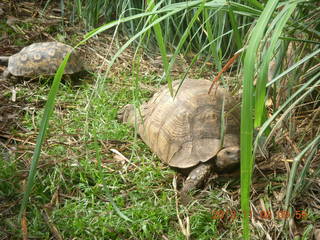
186	130
43	59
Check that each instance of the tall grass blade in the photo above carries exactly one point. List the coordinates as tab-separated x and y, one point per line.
293	171
42	132
263	73
300	182
162	47
255	4
185	35
235	28
210	35
294	66
246	135
288	105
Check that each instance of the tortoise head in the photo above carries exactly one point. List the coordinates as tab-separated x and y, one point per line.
228	158
127	114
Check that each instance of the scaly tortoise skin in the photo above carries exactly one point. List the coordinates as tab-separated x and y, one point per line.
41	59
185	132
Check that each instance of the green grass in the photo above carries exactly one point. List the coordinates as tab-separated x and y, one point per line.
77	165
142	189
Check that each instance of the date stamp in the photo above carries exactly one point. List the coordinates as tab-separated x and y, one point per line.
231	215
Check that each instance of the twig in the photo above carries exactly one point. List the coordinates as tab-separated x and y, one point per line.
115	151
185	228
225	68
24	226
53	229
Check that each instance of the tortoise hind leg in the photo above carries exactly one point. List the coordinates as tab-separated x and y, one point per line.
195	179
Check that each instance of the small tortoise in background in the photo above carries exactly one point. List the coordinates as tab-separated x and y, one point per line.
185	131
41	59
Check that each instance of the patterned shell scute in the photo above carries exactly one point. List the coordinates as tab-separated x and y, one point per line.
43	59
185	130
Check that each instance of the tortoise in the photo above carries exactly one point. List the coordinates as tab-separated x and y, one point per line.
41	58
185	131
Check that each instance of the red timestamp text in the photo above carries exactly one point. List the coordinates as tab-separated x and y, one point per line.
230	214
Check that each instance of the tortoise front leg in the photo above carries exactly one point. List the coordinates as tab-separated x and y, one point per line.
6	74
195	179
